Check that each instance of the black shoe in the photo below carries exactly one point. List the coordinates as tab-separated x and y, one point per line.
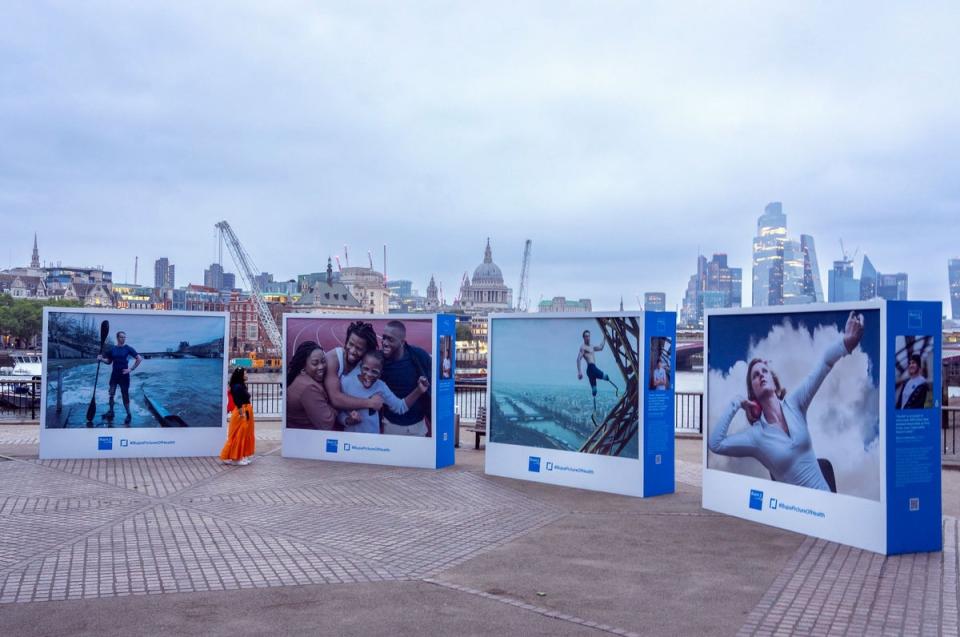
127	420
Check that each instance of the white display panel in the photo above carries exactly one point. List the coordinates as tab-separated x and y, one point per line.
801	431
171	364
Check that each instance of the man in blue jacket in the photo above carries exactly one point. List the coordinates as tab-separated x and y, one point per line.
403	369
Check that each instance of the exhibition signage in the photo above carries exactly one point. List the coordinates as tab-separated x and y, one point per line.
583	400
131	383
368	388
824	419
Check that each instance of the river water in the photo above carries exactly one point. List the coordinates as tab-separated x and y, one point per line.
192	388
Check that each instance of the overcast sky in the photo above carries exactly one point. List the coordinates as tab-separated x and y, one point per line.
619	137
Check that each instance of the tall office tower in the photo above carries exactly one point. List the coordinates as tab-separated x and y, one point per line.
868	280
842	286
213	276
163	274
654	301
229	281
768	256
714	285
791	276
953	275
892	287
812	286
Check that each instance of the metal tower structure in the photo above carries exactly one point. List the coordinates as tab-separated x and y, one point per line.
522	301
247	271
621	423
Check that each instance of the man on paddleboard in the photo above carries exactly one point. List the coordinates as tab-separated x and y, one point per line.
118	356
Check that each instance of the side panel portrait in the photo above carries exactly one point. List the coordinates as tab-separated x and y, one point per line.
363	389
446	366
134	371
914	506
658	403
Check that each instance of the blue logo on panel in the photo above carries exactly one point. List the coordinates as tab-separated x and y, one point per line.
756	499
534	464
105	443
331	445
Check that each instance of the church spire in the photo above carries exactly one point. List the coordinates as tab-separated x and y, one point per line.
487	255
35	259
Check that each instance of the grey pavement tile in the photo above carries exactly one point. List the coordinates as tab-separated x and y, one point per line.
831	589
147	476
170	549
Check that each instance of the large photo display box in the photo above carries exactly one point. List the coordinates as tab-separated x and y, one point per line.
336	364
132	384
583	400
825	420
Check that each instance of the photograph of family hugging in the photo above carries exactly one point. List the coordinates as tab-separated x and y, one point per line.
359	376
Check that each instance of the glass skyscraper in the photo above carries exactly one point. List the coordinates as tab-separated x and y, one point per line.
785	271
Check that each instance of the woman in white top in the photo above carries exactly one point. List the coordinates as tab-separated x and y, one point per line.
778	436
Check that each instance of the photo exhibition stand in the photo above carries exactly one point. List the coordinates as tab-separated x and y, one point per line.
166	371
845	402
606	424
306	436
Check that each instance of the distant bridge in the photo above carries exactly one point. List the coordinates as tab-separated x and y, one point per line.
688	352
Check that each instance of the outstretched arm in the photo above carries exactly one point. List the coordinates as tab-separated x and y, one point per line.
740	444
852	333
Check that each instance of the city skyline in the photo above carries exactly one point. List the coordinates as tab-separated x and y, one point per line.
586	129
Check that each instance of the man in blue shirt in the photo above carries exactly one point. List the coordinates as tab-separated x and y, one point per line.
118	356
403	368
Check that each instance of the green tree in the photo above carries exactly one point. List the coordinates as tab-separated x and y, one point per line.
23	318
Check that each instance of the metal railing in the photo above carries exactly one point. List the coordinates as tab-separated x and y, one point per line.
20	399
951	422
688	412
266	397
469	399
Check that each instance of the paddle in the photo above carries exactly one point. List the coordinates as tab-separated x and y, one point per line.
92	407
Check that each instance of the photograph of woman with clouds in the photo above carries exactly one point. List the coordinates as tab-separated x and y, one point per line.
794	397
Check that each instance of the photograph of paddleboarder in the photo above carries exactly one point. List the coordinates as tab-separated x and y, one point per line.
537	401
177	359
118	357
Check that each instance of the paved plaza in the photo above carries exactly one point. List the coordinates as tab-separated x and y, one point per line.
191	546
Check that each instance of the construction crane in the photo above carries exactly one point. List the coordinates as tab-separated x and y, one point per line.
337	259
247	269
464	283
522	301
843	251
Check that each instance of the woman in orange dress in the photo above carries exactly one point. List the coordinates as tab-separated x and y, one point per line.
240	444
